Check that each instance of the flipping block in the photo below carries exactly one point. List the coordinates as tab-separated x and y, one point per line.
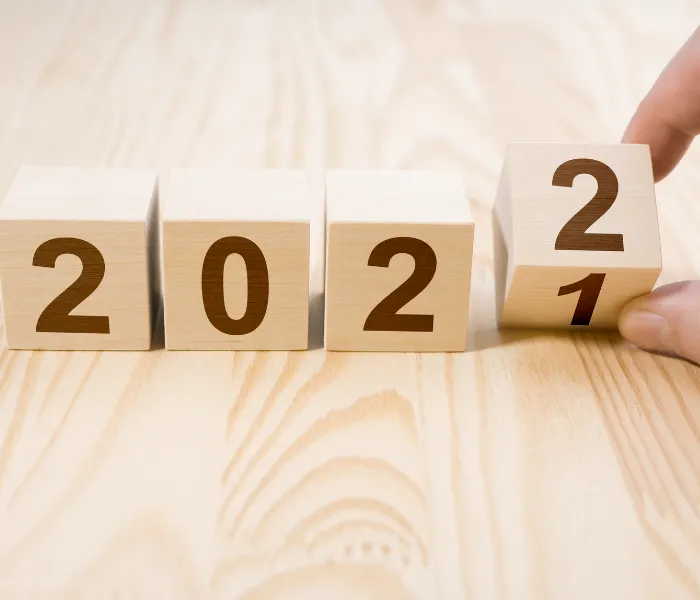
77	258
399	256
576	234
236	260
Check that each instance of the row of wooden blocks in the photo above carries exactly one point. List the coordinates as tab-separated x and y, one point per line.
86	253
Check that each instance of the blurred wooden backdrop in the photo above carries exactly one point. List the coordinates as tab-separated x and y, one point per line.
557	466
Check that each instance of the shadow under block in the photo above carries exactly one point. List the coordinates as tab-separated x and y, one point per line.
399	257
236	260
76	259
576	234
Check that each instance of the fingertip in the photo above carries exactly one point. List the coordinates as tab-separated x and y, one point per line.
668	117
667	145
667	150
641	327
665	320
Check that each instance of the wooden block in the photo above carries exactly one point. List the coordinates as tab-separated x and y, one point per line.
75	259
236	260
576	234
398	267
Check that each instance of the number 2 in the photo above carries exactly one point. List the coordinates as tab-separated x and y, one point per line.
56	317
384	316
574	235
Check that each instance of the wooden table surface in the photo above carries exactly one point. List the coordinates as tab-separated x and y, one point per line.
531	466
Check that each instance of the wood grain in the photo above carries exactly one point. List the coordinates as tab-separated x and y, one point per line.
535	465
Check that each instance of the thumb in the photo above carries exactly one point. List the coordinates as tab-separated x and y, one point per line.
667	320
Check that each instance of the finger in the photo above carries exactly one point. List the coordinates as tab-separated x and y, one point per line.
669	117
667	320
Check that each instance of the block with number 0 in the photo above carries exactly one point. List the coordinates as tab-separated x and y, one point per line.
236	260
399	255
576	234
78	251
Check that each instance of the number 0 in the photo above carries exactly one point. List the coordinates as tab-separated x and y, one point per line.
213	285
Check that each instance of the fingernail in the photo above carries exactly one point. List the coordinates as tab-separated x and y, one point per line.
646	330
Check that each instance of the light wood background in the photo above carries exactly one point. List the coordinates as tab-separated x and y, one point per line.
531	466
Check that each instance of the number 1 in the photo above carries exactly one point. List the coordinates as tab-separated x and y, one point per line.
589	287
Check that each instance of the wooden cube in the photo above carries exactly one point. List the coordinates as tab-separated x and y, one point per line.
576	234
78	252
236	260
399	256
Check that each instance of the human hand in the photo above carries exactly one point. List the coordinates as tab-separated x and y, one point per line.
668	319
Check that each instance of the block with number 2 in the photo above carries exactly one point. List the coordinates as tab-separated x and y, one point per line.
399	255
78	252
576	234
